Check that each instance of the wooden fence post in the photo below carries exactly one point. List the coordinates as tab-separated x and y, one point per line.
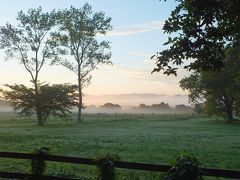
38	164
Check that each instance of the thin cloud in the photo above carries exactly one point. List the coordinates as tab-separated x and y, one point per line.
140	54
136	28
123	79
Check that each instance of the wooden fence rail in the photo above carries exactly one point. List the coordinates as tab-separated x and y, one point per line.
234	174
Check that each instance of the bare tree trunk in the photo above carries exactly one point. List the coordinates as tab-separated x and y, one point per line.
229	114
39	117
79	118
229	108
38	106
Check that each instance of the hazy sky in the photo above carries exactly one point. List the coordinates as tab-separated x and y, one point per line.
136	36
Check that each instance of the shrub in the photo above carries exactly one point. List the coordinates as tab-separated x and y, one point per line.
186	167
106	166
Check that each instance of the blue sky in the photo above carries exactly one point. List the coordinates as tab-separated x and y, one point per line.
136	36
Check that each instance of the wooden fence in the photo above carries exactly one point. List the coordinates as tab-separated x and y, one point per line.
233	174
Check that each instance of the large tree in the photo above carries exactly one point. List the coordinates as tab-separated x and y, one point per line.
29	43
76	40
219	89
199	31
57	100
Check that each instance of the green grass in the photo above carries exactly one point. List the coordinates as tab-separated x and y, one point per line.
152	139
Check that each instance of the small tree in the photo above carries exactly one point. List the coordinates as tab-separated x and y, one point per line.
77	37
186	167
57	100
160	106
111	106
143	106
29	43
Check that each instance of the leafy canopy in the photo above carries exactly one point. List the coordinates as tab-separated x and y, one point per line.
57	100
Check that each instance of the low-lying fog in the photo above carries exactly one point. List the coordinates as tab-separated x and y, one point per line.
130	103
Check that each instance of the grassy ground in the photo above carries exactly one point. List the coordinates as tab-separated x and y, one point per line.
137	138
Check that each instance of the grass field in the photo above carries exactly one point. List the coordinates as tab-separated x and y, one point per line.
150	138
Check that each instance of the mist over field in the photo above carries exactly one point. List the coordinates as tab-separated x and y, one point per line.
129	103
136	110
136	99
4	107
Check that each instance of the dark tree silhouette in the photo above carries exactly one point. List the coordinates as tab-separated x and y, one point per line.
57	100
77	37
162	105
201	32
143	106
111	106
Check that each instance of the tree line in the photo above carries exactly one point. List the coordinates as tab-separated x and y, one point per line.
64	37
143	107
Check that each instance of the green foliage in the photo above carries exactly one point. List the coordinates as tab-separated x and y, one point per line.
220	89
195	86
38	165
106	167
186	167
57	100
20	98
201	31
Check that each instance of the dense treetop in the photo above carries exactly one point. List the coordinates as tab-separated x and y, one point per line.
200	31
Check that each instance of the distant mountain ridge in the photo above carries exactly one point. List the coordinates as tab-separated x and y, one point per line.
133	95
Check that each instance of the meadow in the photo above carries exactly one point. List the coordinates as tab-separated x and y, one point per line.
134	137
